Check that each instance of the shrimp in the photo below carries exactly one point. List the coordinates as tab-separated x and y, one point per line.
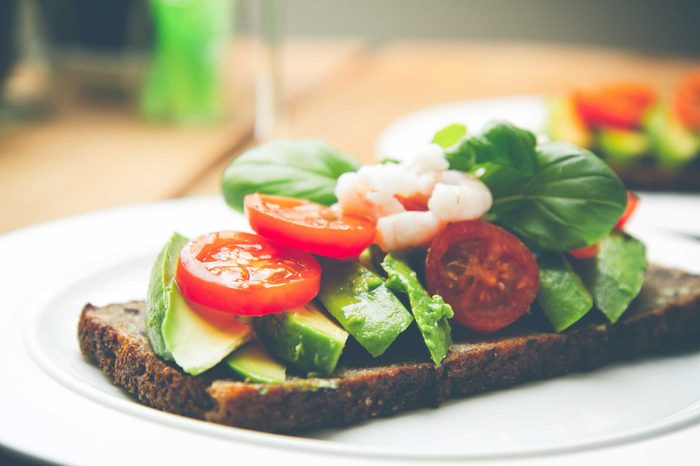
350	195
406	230
389	178
458	197
384	203
374	191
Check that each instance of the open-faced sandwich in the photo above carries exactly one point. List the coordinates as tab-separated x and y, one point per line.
478	262
652	140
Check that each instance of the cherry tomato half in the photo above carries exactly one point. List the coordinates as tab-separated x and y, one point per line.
620	105
632	201
246	274
308	226
488	276
687	100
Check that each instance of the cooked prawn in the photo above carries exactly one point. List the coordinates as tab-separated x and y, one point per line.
465	197
406	230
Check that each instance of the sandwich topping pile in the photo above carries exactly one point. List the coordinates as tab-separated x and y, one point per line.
471	231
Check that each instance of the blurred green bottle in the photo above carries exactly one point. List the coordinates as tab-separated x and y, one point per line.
186	80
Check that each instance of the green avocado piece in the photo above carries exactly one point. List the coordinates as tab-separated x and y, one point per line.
673	144
565	124
615	276
360	301
304	337
253	364
197	342
162	275
623	145
562	296
431	313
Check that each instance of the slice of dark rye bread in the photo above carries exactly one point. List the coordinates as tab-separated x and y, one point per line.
665	317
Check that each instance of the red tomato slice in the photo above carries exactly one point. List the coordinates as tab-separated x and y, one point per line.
488	276
687	100
620	105
585	252
308	226
632	201
246	274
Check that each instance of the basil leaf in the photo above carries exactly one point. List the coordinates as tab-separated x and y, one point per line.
306	169
499	143
450	135
463	155
572	200
506	144
615	276
562	297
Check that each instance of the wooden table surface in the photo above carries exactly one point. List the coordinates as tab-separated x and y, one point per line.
344	91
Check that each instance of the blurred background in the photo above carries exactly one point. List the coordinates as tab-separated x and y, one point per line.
114	102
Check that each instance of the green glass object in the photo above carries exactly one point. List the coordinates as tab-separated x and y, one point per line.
185	83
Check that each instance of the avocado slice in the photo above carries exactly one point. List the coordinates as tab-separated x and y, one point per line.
562	296
162	275
565	124
253	364
431	313
615	276
673	144
622	145
304	337
199	340
360	301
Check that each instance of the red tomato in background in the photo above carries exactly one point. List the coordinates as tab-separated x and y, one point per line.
619	105
687	100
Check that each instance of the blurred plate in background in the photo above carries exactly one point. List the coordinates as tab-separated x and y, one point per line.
529	112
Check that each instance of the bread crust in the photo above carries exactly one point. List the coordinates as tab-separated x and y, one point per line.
665	317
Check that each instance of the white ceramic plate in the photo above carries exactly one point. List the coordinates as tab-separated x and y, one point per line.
55	405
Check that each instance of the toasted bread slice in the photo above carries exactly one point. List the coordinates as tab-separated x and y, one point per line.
665	317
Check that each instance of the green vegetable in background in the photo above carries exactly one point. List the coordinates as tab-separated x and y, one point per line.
622	145
305	169
562	296
162	275
431	313
673	144
615	276
573	199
